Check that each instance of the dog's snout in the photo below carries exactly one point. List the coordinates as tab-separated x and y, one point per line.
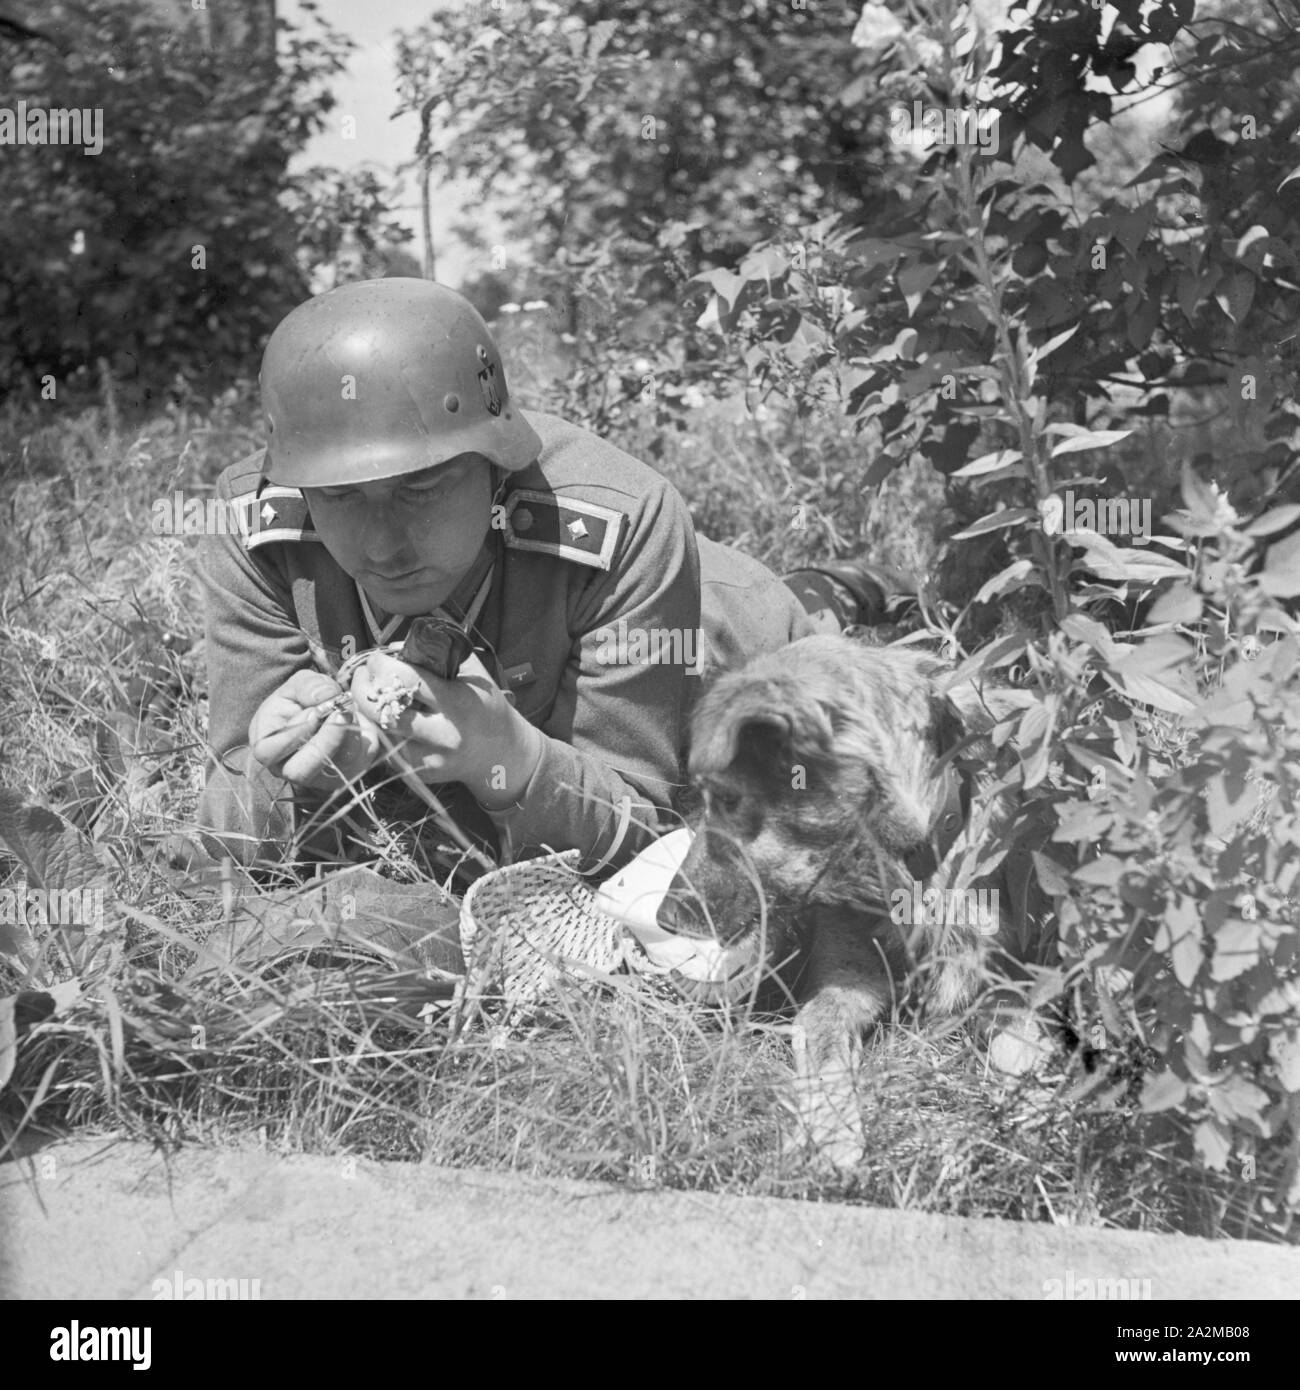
682	909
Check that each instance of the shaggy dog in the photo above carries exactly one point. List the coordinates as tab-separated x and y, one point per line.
831	803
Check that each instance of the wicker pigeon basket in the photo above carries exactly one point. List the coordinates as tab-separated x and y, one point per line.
527	926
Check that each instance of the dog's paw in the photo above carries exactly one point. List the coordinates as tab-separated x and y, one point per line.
1019	1046
828	1121
839	1153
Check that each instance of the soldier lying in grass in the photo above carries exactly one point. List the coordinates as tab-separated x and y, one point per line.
400	481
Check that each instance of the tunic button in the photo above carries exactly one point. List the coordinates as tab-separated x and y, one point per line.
521	519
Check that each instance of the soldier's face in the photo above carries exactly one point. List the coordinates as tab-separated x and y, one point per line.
408	541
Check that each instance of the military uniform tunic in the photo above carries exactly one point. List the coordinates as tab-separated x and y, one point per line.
600	612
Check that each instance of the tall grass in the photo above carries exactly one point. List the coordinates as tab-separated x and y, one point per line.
627	1083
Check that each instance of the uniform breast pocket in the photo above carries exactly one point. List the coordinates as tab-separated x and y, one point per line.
534	695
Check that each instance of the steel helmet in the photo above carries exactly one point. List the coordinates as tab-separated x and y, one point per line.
384	377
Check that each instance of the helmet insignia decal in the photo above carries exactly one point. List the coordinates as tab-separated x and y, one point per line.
487	380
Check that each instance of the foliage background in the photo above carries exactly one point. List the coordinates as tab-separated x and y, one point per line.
171	255
835	344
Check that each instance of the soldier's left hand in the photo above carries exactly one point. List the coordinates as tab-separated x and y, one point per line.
466	730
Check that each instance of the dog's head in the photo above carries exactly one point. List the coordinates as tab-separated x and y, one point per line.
823	778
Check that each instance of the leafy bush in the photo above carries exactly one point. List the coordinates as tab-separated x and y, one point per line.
177	248
1155	758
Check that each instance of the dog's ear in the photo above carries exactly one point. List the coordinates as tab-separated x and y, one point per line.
774	744
761	742
724	730
745	739
756	730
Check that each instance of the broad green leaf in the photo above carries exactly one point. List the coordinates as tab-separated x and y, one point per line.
1163	655
1223	810
1081	628
53	853
1235	1098
1236	949
1052	344
1179	604
1090	439
1016	576
1235	294
1281	577
1051	875
1187	957
726	284
1146	690
1103	872
875	251
1132	225
18	943
1147	566
1162	1092
1035	764
1082	822
914	279
1179	934
767	263
1285	1049
1213	1140
1276	520
996	521
997	654
710	318
1109	561
1227	706
1194	289
903	346
1249	238
1034	723
989	463
1142	322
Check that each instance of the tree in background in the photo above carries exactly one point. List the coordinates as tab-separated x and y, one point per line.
174	251
627	145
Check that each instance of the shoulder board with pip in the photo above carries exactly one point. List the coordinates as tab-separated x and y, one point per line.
275	514
561	526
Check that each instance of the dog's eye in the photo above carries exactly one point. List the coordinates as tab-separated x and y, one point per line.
725	802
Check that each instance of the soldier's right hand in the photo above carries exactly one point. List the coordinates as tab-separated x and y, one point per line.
297	740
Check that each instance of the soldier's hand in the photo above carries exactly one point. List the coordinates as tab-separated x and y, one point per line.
466	730
296	739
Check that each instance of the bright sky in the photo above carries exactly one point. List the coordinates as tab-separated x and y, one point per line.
368	92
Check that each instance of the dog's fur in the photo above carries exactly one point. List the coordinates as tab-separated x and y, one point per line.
821	771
